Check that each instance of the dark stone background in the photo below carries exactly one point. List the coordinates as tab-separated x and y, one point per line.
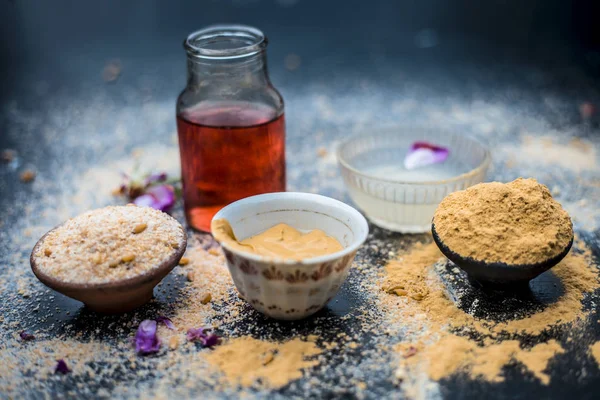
362	55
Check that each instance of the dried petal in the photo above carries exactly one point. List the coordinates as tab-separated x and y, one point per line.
26	336
146	341
160	197
195	334
61	366
164	195
164	320
211	341
202	335
422	154
155	178
145	200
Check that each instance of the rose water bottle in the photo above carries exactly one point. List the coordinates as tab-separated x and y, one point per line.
230	122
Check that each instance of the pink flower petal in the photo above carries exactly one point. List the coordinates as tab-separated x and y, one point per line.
422	154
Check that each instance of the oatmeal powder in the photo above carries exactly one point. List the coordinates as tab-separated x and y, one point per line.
109	244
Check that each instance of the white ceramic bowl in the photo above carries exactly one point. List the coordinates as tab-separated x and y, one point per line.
290	289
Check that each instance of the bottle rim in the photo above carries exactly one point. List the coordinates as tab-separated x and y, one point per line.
225	42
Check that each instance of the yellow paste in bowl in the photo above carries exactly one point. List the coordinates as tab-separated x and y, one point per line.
281	241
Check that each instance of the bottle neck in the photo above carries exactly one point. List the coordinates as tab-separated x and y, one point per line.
245	71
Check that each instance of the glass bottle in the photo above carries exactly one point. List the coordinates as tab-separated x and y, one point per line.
230	122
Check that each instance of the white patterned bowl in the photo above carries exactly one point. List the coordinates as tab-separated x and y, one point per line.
291	289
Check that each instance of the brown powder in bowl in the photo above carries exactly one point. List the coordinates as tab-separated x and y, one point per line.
106	245
516	223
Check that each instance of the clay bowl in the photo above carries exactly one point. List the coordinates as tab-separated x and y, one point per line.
498	273
112	297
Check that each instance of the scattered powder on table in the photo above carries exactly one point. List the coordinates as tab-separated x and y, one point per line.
207	275
108	244
251	362
595	350
38	357
515	223
417	290
536	359
452	354
412	278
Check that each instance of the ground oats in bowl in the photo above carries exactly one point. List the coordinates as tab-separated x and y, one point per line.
110	258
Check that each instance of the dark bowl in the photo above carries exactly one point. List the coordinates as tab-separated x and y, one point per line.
112	297
498	272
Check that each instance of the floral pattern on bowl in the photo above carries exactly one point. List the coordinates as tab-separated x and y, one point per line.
289	291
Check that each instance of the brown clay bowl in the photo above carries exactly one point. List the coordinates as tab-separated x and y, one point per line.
112	297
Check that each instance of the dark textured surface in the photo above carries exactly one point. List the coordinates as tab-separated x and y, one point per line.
361	66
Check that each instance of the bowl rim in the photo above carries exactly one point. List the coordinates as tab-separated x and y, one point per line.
57	284
487	159
352	212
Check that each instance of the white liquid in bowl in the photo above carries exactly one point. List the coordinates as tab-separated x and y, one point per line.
405	200
430	173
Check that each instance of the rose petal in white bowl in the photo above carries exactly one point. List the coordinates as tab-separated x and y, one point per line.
291	289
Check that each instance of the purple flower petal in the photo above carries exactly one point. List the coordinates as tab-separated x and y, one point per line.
161	197
155	178
164	320
145	200
422	154
211	341
164	196
201	335
61	366
26	336
146	341
195	334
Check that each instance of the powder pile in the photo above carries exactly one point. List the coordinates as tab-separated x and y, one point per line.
109	244
414	280
515	223
251	362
